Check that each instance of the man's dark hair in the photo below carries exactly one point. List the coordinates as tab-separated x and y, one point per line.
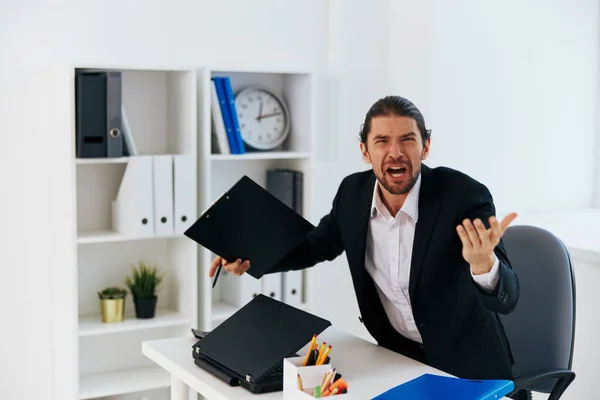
394	105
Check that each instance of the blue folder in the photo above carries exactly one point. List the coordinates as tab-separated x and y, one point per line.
436	387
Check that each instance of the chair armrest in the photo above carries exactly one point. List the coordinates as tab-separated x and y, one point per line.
564	376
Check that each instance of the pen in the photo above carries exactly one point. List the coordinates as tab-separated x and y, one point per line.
217	275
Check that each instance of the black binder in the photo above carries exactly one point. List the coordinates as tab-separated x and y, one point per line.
250	223
286	185
98	114
248	348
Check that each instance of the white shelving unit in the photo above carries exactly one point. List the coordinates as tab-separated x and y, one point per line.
161	108
169	113
218	172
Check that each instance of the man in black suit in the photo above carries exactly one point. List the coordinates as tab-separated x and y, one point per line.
425	251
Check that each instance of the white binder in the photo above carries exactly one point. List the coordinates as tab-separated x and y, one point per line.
291	287
133	209
271	285
184	188
239	290
162	166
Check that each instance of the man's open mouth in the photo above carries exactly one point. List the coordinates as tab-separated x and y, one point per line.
396	172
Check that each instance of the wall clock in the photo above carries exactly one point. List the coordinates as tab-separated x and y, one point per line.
263	117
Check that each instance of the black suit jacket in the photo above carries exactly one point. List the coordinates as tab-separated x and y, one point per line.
457	320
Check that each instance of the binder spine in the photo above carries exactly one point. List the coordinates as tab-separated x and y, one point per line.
114	136
90	115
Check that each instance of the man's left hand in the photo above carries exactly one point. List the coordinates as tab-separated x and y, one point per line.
479	242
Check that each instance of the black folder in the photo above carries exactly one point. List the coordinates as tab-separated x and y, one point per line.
253	342
250	223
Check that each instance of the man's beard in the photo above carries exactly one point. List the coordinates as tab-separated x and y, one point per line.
403	188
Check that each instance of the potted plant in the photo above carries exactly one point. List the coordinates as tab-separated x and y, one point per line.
144	284
112	304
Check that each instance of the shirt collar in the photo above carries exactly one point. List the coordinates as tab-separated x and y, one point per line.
410	206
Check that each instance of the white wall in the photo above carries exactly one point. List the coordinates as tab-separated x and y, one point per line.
587	329
509	90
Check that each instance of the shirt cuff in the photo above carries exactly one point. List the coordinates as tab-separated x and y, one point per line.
488	281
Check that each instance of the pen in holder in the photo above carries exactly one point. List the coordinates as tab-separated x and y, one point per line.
312	381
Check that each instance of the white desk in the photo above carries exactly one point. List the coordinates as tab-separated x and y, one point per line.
368	369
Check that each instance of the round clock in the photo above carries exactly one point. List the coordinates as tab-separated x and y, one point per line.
263	117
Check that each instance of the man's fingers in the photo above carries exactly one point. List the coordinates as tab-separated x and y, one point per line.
472	233
238	267
483	233
213	267
244	267
506	221
496	231
464	238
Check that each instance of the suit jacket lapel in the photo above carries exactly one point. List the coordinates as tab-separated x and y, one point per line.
429	204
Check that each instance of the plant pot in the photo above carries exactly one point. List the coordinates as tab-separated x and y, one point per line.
145	308
112	310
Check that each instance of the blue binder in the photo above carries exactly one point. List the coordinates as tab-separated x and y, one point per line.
436	387
225	110
237	133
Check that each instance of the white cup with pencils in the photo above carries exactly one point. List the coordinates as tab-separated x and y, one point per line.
312	375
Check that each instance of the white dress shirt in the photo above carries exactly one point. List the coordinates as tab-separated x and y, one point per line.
388	257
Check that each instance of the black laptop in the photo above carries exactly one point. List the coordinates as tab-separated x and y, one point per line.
248	348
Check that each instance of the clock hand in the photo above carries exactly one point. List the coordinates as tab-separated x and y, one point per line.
260	112
270	115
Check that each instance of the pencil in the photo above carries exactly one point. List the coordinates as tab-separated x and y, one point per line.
312	342
330	376
320	352
322	359
299	382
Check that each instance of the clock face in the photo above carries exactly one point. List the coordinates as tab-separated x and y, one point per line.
263	118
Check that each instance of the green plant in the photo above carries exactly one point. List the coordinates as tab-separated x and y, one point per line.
144	281
112	292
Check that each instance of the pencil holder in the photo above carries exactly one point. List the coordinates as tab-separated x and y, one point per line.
310	377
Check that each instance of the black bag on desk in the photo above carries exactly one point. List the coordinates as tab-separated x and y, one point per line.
248	348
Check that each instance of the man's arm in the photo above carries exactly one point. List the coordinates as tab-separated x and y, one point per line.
502	294
323	243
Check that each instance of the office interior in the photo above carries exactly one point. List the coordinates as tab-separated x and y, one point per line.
508	88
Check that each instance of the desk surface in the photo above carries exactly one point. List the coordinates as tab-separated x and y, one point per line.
369	369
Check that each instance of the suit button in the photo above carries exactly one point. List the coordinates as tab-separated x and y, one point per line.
422	324
503	297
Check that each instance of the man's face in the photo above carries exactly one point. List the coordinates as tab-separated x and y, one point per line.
395	149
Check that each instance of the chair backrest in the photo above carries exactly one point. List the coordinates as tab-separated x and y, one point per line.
541	328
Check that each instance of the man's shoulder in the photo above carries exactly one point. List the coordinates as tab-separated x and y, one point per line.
357	180
453	181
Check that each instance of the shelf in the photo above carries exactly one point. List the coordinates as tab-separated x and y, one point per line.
274	155
112	160
107	236
222	311
93	325
120	382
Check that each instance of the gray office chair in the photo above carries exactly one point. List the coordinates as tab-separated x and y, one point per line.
541	329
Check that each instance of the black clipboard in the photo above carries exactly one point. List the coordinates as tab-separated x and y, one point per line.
250	223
